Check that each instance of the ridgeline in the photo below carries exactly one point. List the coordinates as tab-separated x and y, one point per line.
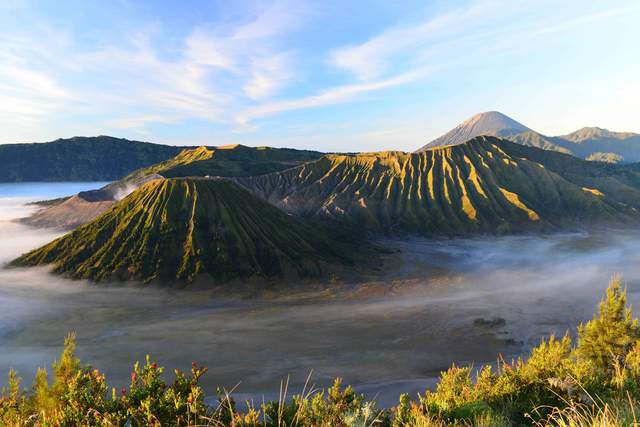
590	143
225	161
100	158
177	229
486	184
267	226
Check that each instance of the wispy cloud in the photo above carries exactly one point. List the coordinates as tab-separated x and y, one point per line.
219	66
231	70
268	74
375	56
483	27
334	95
215	69
29	96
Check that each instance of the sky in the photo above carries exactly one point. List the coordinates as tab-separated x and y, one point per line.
325	75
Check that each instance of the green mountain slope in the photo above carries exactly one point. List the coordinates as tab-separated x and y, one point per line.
605	157
486	184
104	158
236	160
178	229
101	158
232	160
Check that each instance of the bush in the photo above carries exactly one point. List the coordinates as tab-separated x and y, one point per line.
594	383
609	337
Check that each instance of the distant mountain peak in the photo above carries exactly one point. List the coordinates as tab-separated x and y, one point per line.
593	132
491	123
494	119
593	129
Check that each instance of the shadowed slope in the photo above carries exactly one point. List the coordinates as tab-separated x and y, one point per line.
588	141
595	133
101	158
534	139
180	228
236	160
486	184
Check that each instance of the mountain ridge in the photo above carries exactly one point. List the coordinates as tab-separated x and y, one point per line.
483	185
100	158
591	143
285	222
491	123
594	132
107	158
236	160
180	228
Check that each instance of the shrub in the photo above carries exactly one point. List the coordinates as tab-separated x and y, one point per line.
595	383
612	333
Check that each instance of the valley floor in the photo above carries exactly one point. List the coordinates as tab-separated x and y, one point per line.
433	303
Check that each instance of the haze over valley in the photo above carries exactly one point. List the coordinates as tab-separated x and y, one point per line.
265	264
285	213
368	331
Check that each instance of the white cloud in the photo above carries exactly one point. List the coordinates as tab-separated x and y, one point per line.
329	96
202	49
19	79
243	57
29	97
217	69
232	73
484	26
374	57
280	16
268	74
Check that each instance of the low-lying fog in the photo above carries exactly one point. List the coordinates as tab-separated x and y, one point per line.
444	303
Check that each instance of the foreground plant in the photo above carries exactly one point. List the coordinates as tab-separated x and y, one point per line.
593	383
600	414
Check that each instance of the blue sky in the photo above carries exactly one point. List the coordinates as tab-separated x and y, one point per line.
328	75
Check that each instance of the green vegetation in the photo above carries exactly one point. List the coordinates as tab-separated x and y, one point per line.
611	336
100	158
487	184
181	228
178	229
224	161
594	383
104	158
237	160
232	160
605	157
